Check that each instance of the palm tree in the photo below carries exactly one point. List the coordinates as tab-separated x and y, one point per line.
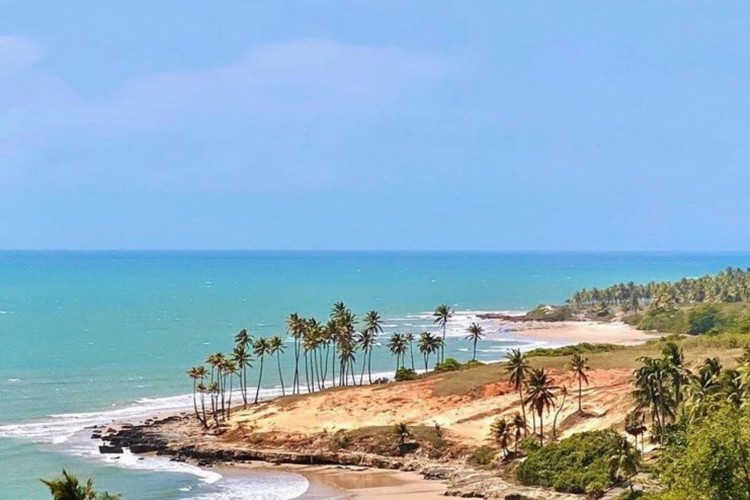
242	358
578	367
197	373
261	347
564	392
402	432
475	334
625	461
410	341
276	348
371	328
517	368
398	346
296	327
501	433
635	427
652	391
230	369
520	428
540	396
68	487
675	360
442	314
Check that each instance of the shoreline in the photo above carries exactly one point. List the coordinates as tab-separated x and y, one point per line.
358	475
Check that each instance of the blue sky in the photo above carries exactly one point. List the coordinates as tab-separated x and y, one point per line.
375	125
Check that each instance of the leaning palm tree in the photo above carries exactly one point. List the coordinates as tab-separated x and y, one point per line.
625	461
578	367
197	374
68	487
475	334
540	397
261	348
276	348
564	393
517	368
500	430
442	314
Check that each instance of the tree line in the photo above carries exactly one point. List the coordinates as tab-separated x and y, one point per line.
730	285
335	353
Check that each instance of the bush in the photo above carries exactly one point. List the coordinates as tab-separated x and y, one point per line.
404	373
595	489
483	456
448	365
703	319
471	364
381	380
529	444
573	464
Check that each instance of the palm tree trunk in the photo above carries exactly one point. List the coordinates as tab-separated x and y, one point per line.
523	412
307	374
195	403
541	428
425	363
474	358
579	393
411	351
260	377
295	379
554	421
333	362
229	402
278	363
369	365
364	365
442	346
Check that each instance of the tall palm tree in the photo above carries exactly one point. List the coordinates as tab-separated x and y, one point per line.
625	461
68	487
230	369
372	327
261	348
296	327
675	360
276	348
578	367
197	374
475	334
517	367
519	428
564	393
410	340
241	356
398	345
540	397
652	391
441	316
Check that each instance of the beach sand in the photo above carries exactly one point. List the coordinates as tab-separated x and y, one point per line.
339	482
576	332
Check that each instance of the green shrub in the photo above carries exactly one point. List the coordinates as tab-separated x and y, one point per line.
529	444
471	364
595	489
573	464
569	350
404	373
483	456
448	365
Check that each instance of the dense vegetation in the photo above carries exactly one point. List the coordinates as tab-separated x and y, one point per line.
695	320
729	286
570	350
578	464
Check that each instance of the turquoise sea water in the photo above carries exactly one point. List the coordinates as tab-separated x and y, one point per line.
91	336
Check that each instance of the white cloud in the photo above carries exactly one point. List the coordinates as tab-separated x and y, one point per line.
16	54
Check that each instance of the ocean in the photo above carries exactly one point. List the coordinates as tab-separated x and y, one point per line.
89	337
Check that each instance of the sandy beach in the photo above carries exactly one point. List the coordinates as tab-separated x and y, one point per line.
576	332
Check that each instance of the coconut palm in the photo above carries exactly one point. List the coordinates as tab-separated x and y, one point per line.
371	328
398	346
296	327
500	430
517	367
540	397
635	427
276	347
229	369
652	382
197	373
441	316
578	367
261	348
402	432
410	341
241	356
475	334
625	461
675	360
68	487
564	393
519	429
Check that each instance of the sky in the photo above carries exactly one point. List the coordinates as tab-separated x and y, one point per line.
366	125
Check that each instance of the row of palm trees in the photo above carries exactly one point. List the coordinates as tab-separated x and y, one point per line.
730	285
666	389
537	391
324	354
